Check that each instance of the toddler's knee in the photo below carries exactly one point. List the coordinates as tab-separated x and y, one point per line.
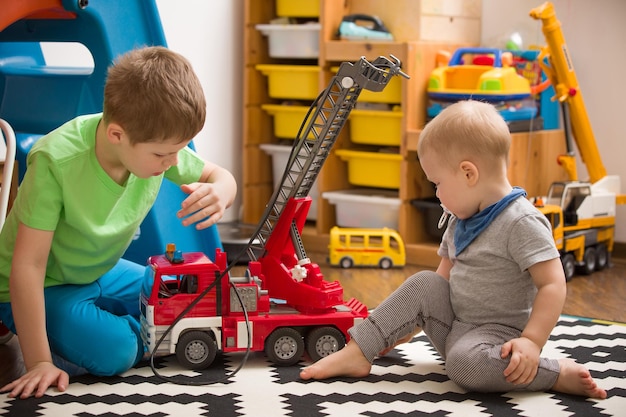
474	371
425	282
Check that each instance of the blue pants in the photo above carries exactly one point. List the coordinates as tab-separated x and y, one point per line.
95	326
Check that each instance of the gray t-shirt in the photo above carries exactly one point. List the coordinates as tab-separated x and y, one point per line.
489	280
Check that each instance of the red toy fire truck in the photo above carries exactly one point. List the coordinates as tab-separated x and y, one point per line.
192	307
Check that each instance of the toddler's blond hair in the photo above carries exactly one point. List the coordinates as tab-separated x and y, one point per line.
467	130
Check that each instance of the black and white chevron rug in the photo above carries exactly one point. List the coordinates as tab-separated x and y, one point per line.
410	381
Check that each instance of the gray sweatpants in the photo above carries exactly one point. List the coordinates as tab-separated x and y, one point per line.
471	352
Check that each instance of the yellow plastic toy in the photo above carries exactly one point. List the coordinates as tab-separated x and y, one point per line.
350	247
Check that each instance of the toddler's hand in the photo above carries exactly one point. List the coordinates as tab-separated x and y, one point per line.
524	360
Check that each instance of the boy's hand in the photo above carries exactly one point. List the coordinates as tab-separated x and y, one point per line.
37	380
524	354
204	205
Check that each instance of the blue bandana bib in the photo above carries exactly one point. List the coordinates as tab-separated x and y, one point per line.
468	229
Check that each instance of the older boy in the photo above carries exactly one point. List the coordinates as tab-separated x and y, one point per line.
64	288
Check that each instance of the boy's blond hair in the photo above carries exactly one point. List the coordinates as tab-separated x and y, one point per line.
154	95
467	130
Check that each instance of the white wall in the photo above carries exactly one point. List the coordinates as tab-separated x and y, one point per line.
594	32
209	34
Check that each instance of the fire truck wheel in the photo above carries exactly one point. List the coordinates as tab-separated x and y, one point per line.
196	350
284	346
569	265
322	341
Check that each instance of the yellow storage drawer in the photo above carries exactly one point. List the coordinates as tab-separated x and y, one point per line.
298	8
392	93
298	82
372	169
287	119
376	127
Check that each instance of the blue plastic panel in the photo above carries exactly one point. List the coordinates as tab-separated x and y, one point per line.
35	98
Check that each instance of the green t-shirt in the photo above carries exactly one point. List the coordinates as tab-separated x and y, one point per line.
94	219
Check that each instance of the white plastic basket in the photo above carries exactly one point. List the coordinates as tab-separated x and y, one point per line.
365	208
292	41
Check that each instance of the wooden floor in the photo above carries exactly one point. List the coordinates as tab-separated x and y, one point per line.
601	295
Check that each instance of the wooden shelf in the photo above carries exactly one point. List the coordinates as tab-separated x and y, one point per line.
411	137
532	157
342	50
422	254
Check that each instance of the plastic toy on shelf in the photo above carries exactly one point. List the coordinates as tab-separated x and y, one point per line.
363	26
485	74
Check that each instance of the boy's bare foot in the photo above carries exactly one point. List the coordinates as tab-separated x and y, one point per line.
576	379
349	361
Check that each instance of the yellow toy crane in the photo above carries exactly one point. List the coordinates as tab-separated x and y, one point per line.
562	76
582	213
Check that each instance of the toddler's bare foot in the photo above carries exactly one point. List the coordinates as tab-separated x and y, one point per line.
349	361
576	379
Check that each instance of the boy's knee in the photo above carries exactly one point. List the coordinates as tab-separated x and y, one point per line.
117	350
119	356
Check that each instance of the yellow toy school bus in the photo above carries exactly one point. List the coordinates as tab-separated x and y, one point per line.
366	247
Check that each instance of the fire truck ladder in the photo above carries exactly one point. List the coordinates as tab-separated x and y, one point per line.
324	121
